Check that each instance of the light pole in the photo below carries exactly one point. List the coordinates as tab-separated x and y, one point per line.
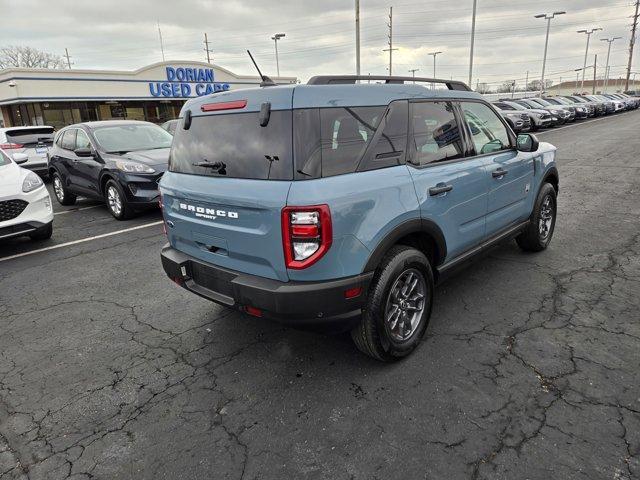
548	18
606	69
578	70
586	52
434	54
275	39
473	38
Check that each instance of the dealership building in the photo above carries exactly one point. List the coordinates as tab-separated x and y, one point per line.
154	93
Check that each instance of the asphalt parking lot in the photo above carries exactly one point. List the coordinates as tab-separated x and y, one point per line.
530	367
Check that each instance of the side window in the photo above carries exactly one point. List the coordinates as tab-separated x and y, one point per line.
69	140
391	141
306	140
82	140
488	132
59	139
436	134
344	135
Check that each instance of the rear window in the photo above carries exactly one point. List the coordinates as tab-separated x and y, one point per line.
235	146
30	136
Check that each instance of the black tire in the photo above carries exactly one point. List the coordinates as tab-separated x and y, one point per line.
374	335
43	233
534	127
535	237
61	192
119	207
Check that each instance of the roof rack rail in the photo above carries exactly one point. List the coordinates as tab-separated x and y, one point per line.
349	79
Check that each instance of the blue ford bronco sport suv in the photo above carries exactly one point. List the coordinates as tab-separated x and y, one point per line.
339	203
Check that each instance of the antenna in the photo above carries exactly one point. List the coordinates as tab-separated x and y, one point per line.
266	81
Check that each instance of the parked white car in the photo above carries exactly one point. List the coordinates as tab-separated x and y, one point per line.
25	204
33	141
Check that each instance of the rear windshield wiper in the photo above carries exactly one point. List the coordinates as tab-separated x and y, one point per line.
216	166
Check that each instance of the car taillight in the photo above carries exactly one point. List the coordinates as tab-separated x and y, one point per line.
306	235
10	146
164	222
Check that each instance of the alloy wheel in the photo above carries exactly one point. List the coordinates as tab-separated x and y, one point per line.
114	200
545	222
405	304
57	188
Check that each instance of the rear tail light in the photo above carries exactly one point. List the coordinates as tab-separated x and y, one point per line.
164	222
253	311
10	146
306	235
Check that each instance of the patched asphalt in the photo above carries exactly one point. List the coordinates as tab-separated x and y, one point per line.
530	368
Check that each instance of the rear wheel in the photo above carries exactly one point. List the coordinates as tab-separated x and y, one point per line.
398	306
537	235
116	201
61	192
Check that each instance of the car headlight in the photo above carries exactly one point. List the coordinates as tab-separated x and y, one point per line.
133	167
580	109
536	115
31	182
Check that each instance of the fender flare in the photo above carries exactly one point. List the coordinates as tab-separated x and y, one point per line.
415	225
551	172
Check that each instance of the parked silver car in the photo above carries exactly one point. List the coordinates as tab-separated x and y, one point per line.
34	142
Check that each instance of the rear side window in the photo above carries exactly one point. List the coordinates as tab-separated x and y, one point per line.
390	140
487	130
235	146
345	133
69	140
4	159
30	137
435	134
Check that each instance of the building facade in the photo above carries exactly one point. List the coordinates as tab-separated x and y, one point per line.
154	93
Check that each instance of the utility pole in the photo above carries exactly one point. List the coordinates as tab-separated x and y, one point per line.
595	65
206	47
526	82
473	38
357	37
275	38
161	44
68	57
586	52
434	54
413	72
390	42
632	42
606	68
548	18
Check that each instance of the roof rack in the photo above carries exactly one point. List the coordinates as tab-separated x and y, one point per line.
349	79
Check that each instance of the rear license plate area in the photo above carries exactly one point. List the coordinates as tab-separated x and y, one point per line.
215	280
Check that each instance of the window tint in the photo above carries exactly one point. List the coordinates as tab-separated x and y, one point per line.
82	140
306	139
488	132
69	139
436	134
238	144
391	142
344	135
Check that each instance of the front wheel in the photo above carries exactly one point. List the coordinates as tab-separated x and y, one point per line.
398	306
116	201
537	235
61	192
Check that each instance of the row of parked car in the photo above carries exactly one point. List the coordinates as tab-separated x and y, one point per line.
531	114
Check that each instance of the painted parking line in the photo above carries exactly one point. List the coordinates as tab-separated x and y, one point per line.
574	125
77	209
82	240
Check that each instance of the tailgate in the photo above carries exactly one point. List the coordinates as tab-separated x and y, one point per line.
231	222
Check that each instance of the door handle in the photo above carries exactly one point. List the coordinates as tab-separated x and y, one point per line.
499	173
440	188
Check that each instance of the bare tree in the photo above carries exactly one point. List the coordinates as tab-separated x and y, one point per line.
26	57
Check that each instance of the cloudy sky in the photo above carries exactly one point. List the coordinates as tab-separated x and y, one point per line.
320	35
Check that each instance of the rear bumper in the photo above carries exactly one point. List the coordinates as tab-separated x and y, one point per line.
302	304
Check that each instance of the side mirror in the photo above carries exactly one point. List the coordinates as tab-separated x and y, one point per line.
527	142
83	152
20	158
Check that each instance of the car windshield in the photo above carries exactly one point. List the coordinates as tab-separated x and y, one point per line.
541	102
564	101
132	137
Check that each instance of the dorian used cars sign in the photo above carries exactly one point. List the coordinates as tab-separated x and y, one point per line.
185	82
